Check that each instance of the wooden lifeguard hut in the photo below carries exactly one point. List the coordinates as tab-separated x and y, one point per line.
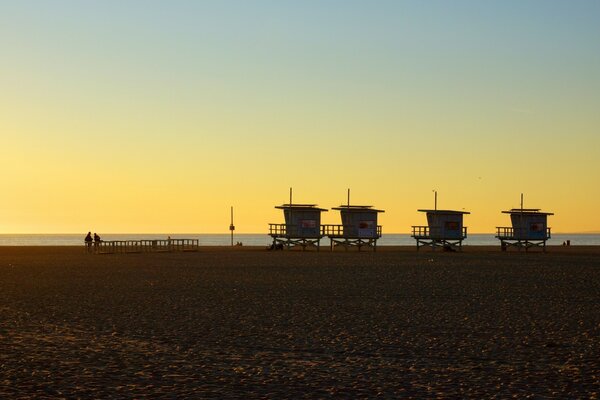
358	229
444	228
302	226
529	228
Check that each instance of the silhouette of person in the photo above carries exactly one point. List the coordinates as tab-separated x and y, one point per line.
97	241
88	241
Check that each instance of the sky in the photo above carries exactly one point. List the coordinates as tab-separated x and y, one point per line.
158	116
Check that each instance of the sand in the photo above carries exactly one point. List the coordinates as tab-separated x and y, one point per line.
247	323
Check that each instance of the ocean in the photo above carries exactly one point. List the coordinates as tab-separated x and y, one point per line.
259	239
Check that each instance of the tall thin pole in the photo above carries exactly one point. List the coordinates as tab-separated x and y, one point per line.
291	220
521	202
435	200
348	198
522	216
231	226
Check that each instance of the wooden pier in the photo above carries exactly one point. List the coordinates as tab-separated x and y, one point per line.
146	246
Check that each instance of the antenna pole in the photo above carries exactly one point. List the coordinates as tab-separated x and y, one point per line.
521	202
435	200
291	220
348	198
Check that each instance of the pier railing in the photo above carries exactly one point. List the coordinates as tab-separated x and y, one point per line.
146	246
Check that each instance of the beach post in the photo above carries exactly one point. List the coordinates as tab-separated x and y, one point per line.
231	226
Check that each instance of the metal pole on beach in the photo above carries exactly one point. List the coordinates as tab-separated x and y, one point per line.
231	226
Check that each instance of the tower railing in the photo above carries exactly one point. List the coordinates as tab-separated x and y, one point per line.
512	233
350	231
427	232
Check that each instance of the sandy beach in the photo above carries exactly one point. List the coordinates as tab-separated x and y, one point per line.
248	323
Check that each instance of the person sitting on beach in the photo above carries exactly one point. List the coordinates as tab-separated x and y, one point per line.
276	246
88	241
449	248
97	241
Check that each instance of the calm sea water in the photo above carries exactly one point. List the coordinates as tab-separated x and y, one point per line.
265	240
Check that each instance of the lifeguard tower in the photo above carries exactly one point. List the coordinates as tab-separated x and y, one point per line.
358	229
302	226
444	228
529	229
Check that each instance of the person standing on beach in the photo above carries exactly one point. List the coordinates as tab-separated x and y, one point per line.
97	241
88	242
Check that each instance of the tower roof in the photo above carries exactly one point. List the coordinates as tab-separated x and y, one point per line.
299	207
352	208
527	211
444	211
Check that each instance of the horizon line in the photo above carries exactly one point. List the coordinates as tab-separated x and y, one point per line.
249	233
